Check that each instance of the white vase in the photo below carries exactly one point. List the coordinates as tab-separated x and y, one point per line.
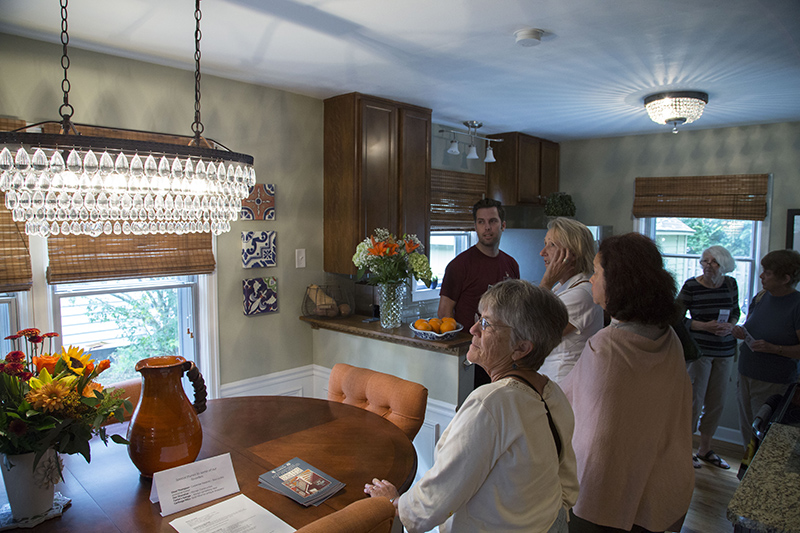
30	493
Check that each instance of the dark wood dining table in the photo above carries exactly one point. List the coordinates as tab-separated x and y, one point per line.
261	433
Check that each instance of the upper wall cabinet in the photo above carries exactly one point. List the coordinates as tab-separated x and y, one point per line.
377	166
526	170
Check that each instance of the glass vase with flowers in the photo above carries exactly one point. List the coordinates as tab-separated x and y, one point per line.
50	402
391	262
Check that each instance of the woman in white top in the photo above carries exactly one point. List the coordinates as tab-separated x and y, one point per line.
568	254
505	462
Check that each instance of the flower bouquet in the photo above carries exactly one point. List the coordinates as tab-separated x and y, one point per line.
392	260
52	401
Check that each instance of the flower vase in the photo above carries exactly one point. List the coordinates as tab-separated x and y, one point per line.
30	492
391	303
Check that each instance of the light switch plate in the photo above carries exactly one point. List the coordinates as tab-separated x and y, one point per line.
300	258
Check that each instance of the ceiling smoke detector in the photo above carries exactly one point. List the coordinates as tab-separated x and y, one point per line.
529	36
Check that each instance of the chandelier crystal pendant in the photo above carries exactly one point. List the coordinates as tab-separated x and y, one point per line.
675	108
76	184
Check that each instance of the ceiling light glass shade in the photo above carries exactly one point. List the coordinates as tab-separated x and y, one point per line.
676	107
86	190
489	155
453	148
472	153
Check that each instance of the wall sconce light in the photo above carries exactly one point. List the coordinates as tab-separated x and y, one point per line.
472	133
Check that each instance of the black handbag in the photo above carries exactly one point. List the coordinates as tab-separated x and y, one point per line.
691	351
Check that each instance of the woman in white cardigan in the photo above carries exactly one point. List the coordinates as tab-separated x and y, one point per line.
632	399
505	462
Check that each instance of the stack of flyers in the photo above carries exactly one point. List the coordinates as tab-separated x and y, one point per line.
301	482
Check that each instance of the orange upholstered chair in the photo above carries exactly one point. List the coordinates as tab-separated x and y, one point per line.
400	401
370	515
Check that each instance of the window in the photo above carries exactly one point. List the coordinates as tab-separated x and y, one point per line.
682	241
128	320
8	320
445	245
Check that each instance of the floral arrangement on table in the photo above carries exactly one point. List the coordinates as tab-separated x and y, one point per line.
52	400
392	260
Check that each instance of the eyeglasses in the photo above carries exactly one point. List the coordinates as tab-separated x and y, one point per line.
485	324
706	262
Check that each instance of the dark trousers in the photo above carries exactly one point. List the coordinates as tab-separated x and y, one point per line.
579	525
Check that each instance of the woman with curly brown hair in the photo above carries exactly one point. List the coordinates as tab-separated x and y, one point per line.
632	399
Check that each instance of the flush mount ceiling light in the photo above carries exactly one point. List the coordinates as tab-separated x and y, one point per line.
472	133
528	36
675	108
77	184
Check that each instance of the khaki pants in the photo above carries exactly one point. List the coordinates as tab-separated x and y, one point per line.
752	394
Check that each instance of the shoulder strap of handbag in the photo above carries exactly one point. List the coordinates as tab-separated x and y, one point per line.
552	424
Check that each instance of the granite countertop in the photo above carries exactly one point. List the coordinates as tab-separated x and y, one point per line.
768	498
355	325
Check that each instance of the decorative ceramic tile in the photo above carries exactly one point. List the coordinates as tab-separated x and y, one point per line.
259	249
260	295
260	205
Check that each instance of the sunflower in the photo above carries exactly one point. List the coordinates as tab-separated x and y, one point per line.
76	360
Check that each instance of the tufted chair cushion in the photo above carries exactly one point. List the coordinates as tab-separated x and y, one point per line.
400	401
370	515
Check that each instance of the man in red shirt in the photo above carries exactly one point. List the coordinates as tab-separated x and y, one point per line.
473	271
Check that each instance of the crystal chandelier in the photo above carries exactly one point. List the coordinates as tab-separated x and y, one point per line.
675	108
74	184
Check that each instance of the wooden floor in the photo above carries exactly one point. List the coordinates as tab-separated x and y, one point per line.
713	489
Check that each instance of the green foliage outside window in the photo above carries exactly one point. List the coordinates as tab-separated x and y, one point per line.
735	235
148	319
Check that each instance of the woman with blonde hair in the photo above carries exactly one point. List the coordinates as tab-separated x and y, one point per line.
568	254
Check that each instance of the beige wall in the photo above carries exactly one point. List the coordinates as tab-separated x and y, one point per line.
599	173
283	131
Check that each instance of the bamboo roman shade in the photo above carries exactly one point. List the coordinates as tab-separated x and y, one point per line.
452	196
738	197
76	258
15	264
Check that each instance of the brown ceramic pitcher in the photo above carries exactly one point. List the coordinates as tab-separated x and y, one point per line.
164	431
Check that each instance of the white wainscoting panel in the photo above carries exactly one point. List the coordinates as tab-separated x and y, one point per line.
294	382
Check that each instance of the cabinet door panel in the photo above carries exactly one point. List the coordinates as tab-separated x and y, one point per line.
379	188
549	181
415	174
528	189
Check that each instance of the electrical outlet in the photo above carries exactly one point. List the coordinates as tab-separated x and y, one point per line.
300	258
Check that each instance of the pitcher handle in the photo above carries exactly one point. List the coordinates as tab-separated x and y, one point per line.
198	384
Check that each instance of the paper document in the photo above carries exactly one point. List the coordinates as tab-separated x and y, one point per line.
239	514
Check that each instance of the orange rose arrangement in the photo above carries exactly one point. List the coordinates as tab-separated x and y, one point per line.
51	400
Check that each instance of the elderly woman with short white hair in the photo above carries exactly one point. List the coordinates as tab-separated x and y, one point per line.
712	299
505	463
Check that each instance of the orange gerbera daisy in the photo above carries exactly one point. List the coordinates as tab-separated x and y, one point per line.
48	397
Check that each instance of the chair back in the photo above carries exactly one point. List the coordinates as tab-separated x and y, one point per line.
132	389
370	515
400	401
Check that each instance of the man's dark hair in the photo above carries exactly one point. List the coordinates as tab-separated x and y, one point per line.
488	202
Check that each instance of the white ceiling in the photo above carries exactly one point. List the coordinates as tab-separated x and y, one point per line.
587	78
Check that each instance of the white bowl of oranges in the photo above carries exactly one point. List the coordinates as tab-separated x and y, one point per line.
436	329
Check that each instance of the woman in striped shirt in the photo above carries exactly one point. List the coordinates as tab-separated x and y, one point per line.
713	303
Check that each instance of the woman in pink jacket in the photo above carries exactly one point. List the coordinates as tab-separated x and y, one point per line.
632	399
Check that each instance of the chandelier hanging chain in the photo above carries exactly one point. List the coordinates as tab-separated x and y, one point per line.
65	110
197	127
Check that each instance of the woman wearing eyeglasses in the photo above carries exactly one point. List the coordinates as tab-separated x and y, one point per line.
505	462
632	399
712	300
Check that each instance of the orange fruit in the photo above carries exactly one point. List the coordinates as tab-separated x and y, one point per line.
435	325
422	325
447	325
449	319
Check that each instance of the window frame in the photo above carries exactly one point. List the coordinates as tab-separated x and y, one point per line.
36	307
464	240
647	226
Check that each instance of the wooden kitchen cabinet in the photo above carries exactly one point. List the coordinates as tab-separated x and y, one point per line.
526	170
377	174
